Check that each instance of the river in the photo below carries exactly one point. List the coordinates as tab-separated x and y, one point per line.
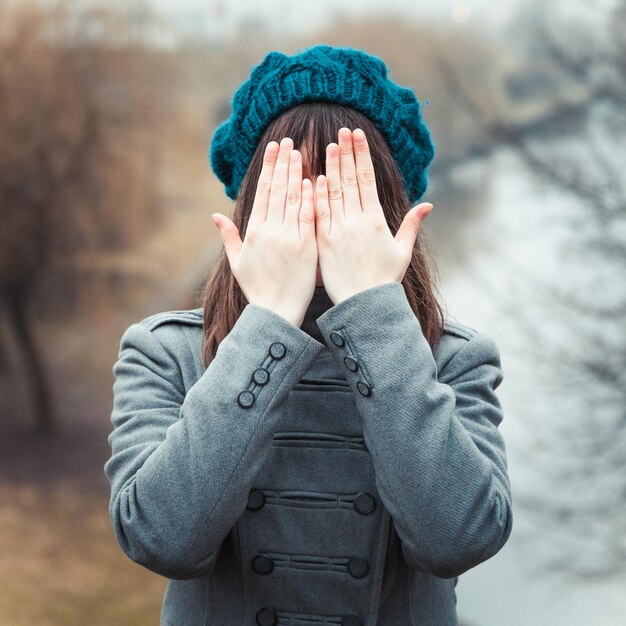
522	231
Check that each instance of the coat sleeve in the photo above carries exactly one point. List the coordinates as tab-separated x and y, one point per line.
182	464
439	458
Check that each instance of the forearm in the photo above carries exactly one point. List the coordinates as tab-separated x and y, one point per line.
439	458
182	466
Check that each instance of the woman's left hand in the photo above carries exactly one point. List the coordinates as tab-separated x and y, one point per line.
356	249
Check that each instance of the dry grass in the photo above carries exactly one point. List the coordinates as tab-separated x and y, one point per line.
61	563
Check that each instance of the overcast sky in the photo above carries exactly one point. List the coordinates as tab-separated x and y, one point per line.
198	17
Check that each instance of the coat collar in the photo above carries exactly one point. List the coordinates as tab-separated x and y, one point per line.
320	303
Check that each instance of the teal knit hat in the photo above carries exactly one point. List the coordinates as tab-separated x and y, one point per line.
339	74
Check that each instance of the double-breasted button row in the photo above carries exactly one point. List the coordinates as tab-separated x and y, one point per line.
364	502
256	499
262	564
357	566
261	375
268	617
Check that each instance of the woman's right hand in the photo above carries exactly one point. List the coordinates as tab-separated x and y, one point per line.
276	264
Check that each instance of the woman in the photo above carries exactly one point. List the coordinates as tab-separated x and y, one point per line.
317	443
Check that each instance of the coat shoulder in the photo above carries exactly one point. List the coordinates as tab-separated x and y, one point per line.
458	329
463	347
455	335
178	333
188	317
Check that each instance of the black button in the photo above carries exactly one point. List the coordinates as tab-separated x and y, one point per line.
358	566
352	619
246	398
262	564
364	502
260	376
350	363
267	617
364	388
277	350
337	338
256	499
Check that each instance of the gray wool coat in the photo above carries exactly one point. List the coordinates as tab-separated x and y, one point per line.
337	473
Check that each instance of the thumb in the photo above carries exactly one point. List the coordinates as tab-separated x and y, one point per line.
229	234
407	233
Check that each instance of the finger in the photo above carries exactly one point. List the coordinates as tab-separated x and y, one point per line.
294	189
365	172
229	235
307	211
264	184
323	212
351	198
411	224
278	190
332	181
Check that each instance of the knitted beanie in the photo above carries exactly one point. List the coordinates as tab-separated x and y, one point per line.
339	74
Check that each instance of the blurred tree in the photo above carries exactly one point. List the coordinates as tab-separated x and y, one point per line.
576	144
65	186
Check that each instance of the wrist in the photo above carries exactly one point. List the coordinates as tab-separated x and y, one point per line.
293	317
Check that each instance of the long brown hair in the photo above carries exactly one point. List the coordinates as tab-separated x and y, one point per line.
312	126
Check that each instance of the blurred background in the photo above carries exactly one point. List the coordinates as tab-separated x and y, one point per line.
106	192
